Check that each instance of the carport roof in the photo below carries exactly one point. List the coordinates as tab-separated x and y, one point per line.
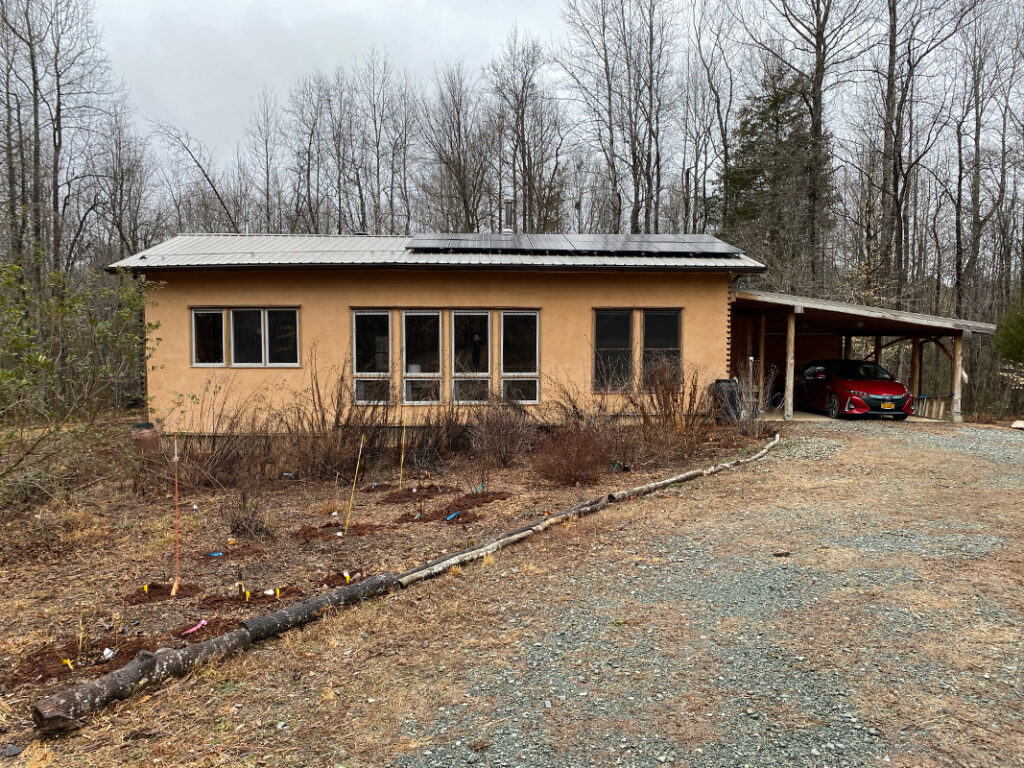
852	319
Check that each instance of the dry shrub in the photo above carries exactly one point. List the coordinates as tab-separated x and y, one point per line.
247	515
500	432
675	414
575	455
752	418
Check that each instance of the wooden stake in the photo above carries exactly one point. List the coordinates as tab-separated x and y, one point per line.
177	538
401	460
355	478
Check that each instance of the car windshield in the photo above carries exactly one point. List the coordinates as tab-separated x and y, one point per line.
859	370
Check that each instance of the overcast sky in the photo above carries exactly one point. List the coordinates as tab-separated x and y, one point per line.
199	63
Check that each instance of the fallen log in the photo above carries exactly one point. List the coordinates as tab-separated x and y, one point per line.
63	711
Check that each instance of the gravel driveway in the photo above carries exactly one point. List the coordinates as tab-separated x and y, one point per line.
853	600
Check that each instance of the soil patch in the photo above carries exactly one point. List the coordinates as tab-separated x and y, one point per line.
255	598
218	625
473	500
461	505
418	493
158	592
50	660
376	487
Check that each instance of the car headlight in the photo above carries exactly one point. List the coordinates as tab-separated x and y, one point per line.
858	394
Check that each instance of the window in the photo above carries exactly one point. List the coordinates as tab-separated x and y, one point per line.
372	345
519	353
207	337
662	354
422	356
613	349
471	357
264	337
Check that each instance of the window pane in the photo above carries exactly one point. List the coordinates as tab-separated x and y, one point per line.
519	345
422	390
613	329
209	338
372	342
472	390
661	329
519	389
471	350
662	369
423	343
247	336
613	369
613	348
282	336
373	390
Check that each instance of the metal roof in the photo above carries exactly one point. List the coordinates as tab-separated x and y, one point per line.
855	319
229	251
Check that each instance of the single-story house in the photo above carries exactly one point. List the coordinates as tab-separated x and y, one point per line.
459	319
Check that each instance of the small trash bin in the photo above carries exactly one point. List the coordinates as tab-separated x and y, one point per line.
726	397
147	439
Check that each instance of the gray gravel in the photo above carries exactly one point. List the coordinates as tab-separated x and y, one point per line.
671	647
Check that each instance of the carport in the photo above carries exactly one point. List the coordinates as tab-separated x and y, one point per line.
784	331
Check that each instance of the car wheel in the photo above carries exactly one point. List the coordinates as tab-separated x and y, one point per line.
833	406
900	417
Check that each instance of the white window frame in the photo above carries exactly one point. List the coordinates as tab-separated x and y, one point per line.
521	375
433	375
476	375
264	340
223	341
356	375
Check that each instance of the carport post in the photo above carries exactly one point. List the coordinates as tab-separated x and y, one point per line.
915	367
790	362
878	350
848	348
958	376
760	361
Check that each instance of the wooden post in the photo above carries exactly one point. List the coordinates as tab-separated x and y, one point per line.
915	367
790	362
878	350
760	362
958	376
848	348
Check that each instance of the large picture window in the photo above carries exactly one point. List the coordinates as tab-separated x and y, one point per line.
519	356
613	349
421	347
662	352
208	337
264	337
372	359
471	357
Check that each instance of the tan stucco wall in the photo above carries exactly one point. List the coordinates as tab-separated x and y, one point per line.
326	298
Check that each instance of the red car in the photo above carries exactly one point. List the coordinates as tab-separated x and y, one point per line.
851	388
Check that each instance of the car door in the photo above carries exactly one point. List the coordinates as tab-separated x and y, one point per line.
815	386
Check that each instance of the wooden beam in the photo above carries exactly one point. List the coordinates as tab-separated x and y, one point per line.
760	361
915	367
790	363
878	350
848	348
958	377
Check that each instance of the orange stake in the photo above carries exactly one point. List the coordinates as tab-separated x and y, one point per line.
177	540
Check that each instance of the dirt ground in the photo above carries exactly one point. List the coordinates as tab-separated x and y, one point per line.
854	600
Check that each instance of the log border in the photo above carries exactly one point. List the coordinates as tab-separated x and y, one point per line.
63	711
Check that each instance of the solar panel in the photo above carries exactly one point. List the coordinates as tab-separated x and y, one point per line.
622	244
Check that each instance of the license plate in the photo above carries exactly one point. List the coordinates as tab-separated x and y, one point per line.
888	406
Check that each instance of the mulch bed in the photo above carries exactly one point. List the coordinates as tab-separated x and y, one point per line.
420	493
158	592
463	504
330	531
286	593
